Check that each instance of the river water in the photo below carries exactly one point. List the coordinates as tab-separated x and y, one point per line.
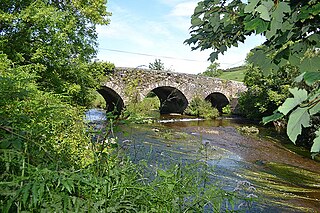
282	179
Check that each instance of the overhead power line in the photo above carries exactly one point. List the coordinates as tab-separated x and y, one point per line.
144	54
168	57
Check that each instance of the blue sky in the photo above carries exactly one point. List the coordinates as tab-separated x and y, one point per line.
157	29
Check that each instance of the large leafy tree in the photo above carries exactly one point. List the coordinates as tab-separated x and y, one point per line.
58	34
291	29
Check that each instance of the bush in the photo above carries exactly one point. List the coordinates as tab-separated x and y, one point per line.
201	108
38	123
265	93
148	107
227	110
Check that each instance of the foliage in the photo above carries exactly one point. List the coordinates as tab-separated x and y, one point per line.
301	108
265	93
148	107
98	101
48	160
105	182
212	70
38	123
122	188
201	108
248	130
59	35
156	65
292	36
227	110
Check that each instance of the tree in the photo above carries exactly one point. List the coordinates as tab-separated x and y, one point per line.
59	35
212	70
156	65
292	36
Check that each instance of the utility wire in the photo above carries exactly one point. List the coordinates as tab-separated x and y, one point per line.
168	57
144	54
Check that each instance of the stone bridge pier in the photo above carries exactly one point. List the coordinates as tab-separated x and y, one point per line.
174	90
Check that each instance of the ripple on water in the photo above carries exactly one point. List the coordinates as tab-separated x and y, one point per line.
284	181
94	115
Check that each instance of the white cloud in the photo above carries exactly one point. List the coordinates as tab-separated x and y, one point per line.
184	9
160	36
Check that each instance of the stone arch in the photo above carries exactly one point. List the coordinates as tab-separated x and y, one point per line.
172	100
114	102
217	100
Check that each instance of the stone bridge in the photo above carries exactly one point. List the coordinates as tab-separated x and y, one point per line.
174	90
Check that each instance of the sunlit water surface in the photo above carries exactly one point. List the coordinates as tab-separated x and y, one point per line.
283	180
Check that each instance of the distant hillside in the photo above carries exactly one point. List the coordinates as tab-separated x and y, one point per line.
234	73
233	69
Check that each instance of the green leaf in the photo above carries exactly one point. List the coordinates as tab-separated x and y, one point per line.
17	144
315	39
315	10
310	64
316	142
315	109
250	6
264	13
268	4
66	185
41	190
299	95
275	116
25	193
298	118
274	26
35	193
256	24
294	59
213	56
199	9
195	21
5	143
311	77
282	7
299	78
165	174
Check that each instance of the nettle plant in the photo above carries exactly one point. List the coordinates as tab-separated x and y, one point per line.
291	29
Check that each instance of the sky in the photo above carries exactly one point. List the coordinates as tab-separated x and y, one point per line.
141	31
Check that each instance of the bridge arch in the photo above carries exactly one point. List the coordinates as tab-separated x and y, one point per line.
218	100
114	102
172	100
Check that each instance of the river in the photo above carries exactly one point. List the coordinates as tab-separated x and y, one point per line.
280	178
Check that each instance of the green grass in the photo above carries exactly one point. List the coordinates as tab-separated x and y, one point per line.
234	75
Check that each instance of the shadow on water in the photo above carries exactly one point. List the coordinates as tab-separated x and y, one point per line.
284	181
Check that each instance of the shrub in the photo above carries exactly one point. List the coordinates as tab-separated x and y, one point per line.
265	93
38	123
227	110
148	107
201	108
